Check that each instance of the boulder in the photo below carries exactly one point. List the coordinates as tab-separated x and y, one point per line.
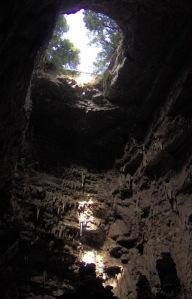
93	238
124	258
118	228
116	251
98	98
112	271
127	242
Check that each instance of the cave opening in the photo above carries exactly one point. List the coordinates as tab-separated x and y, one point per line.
63	246
71	121
83	44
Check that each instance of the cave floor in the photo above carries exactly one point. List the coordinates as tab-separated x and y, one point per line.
59	245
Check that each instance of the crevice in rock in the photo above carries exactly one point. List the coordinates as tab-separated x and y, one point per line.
170	285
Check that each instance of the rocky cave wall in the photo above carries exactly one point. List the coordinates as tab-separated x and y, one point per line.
153	89
157	40
21	40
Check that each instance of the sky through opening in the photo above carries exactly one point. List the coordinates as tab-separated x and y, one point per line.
78	35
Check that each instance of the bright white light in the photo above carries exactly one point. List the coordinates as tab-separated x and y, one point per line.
86	215
83	78
93	257
89	257
78	35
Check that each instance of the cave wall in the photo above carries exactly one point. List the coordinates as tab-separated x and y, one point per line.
157	40
26	27
156	199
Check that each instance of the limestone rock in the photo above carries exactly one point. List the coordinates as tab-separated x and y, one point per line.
98	98
127	242
112	271
93	238
116	251
124	258
118	228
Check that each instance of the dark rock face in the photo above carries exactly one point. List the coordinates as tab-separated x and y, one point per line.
143	288
170	284
21	39
146	219
65	119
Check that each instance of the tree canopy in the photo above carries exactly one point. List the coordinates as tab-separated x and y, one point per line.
106	34
61	52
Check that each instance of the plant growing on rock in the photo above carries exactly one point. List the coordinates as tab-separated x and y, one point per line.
61	52
105	34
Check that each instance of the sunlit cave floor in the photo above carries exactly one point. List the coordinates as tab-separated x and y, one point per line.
59	239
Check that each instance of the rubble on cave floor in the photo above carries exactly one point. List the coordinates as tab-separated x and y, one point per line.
88	97
77	232
61	247
84	124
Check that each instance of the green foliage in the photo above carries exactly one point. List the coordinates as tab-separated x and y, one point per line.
105	34
61	52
